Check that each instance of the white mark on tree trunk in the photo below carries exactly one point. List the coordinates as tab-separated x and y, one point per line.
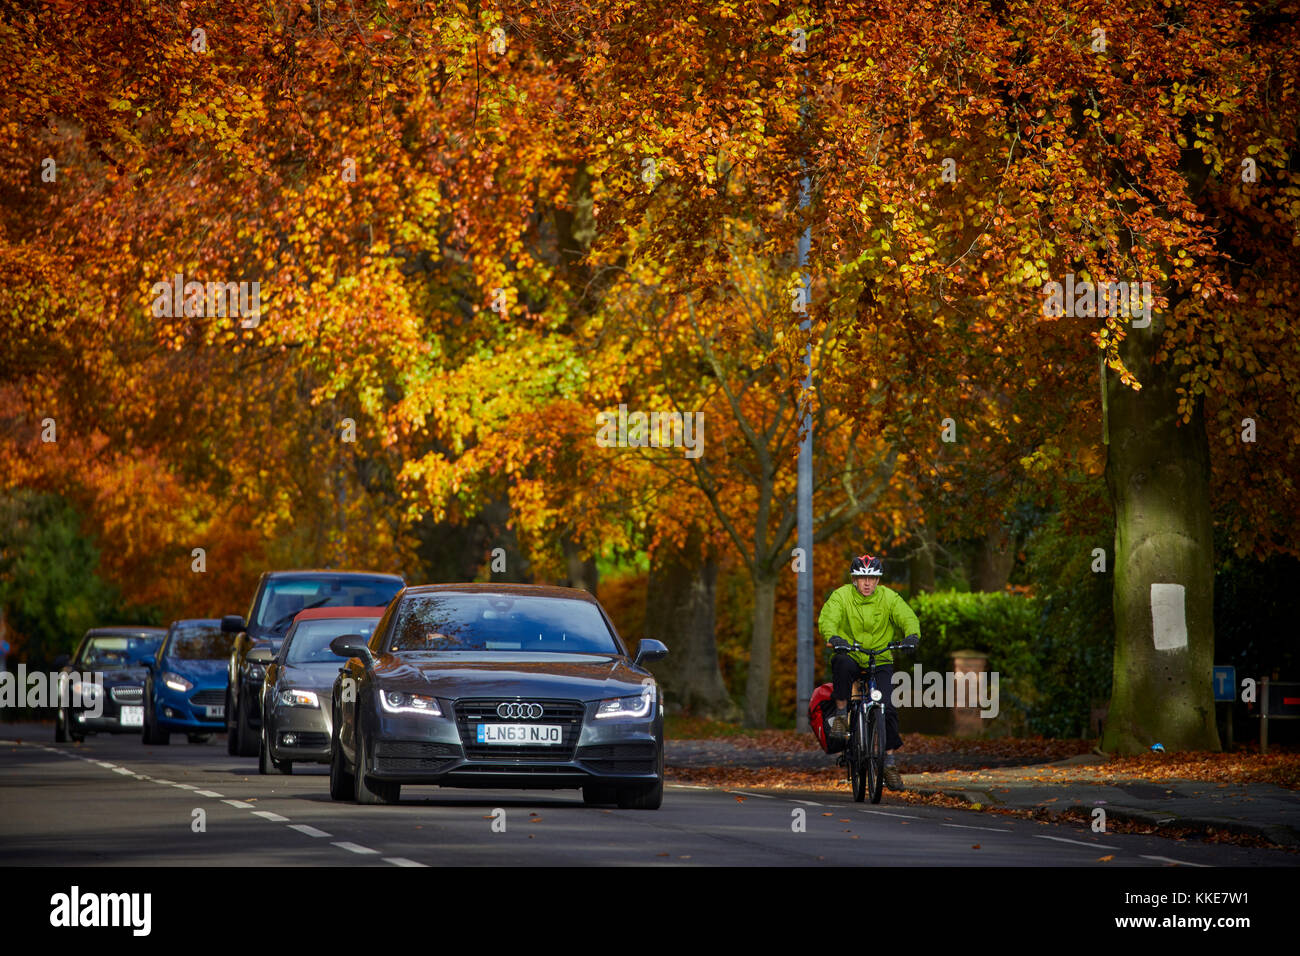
1169	616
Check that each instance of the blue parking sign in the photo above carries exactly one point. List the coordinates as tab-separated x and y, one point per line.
1225	683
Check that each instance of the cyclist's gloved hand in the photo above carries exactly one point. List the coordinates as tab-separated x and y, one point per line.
838	643
911	641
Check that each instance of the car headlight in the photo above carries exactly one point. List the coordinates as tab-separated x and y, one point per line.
299	698
86	690
639	706
399	702
176	681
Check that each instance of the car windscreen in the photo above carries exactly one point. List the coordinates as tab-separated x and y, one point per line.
286	596
199	643
310	641
109	653
500	622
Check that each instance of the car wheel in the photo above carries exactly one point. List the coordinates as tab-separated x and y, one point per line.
595	794
265	764
232	744
70	727
342	786
150	733
247	740
60	728
372	791
644	796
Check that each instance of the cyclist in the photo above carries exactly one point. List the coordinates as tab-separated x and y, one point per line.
866	612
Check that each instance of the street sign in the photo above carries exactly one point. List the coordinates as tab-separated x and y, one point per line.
1225	683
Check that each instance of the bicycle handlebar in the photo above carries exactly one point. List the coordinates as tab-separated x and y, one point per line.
872	655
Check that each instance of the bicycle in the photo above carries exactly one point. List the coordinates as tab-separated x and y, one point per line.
865	753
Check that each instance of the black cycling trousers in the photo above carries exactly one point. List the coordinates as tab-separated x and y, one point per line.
845	670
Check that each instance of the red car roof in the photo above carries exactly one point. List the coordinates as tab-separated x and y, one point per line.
328	613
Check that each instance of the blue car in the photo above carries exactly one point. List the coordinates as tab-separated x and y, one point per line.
185	691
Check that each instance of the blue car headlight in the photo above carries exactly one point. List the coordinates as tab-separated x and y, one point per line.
399	702
176	682
640	706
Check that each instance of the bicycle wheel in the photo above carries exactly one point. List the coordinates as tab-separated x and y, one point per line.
875	750
858	755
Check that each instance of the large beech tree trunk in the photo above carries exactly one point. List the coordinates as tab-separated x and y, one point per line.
681	611
760	650
1158	475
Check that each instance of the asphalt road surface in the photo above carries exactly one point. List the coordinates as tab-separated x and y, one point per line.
112	801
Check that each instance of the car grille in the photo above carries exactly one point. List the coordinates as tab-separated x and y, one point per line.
639	757
567	713
212	697
311	739
128	695
398	756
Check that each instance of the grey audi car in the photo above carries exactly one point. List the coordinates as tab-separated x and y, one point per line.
295	726
485	685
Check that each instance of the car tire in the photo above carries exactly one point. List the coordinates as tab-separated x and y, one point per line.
246	742
149	732
60	728
372	791
265	763
75	737
644	796
595	795
342	786
232	744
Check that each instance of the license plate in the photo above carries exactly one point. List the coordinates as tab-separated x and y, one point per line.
214	712
548	735
132	717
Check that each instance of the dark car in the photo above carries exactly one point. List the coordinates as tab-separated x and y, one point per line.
295	725
185	691
280	596
484	685
113	702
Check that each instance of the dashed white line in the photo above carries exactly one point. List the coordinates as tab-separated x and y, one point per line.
166	783
402	861
1165	859
1090	846
105	764
185	786
209	793
965	826
238	804
353	848
268	815
745	793
810	803
882	813
310	831
123	770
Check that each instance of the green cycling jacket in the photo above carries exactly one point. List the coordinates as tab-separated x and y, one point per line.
873	622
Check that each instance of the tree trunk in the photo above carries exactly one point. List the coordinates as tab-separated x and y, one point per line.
1158	475
920	566
993	561
760	651
681	599
581	571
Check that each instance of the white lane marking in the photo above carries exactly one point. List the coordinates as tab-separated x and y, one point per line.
268	815
353	848
906	816
310	831
965	826
185	786
761	796
809	803
102	763
165	783
402	861
1165	859
123	770
1091	846
687	786
239	804
209	793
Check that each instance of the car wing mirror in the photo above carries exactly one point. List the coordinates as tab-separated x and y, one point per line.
649	651
351	645
232	624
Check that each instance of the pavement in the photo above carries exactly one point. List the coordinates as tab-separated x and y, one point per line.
1078	784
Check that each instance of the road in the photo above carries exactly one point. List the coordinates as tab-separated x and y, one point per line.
112	801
